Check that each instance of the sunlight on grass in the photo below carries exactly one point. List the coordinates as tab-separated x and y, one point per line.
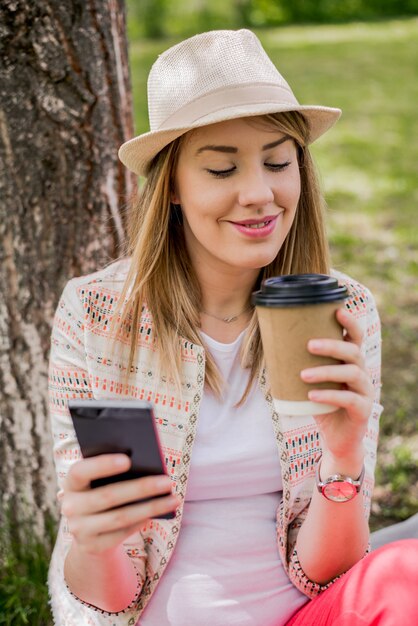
337	33
360	184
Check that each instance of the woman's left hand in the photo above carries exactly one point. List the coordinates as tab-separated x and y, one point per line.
343	430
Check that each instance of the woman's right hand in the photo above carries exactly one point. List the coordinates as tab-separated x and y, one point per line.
95	528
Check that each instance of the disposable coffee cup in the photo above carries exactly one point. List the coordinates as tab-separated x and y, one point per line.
292	310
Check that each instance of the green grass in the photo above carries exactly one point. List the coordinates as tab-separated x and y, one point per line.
23	575
368	167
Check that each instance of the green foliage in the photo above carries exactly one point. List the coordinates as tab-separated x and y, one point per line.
147	18
23	574
157	18
267	13
334	11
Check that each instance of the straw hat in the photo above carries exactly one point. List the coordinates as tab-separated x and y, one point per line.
209	78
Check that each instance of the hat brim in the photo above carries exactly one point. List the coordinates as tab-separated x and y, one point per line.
138	153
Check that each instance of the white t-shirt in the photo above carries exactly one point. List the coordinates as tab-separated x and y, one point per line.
226	569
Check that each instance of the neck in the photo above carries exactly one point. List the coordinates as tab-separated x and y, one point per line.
225	294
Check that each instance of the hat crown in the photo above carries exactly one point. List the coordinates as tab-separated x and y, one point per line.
211	78
203	64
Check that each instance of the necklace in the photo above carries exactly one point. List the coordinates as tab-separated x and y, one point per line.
229	318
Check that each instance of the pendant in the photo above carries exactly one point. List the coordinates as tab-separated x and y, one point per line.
228	320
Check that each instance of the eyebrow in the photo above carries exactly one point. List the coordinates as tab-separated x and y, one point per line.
233	150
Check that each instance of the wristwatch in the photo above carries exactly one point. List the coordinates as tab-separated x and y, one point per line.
338	488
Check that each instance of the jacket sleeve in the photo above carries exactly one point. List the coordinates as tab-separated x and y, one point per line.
69	378
362	304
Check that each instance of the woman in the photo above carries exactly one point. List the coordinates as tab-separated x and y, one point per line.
230	199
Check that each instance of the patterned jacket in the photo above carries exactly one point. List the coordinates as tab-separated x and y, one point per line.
81	367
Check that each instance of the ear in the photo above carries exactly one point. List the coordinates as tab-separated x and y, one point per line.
174	197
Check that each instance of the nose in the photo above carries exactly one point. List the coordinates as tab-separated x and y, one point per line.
255	189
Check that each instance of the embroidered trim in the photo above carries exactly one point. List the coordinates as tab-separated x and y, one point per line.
130	606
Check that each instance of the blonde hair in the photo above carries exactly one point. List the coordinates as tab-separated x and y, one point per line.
161	274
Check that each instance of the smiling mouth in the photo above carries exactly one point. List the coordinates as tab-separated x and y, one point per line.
259	225
255	224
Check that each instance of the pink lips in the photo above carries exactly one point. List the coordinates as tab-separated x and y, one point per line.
244	226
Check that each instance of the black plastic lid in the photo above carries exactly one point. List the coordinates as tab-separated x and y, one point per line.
297	289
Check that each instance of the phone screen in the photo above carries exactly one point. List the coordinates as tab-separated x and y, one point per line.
119	426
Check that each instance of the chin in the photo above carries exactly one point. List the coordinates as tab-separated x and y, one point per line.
256	264
260	260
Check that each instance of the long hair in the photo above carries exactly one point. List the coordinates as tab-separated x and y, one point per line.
162	277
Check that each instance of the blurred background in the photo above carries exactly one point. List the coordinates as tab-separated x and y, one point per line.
183	18
361	56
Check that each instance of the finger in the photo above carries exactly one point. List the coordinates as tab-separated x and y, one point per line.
107	541
359	407
118	494
83	472
354	330
353	376
340	350
88	527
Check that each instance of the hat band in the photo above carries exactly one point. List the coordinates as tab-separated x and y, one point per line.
225	98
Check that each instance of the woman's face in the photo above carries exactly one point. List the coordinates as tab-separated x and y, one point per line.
238	185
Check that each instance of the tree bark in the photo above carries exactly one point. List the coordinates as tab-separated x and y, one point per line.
65	107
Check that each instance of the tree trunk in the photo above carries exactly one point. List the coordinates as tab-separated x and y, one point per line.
65	107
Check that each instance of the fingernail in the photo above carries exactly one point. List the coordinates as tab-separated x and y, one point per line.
306	374
314	344
60	495
313	395
120	461
163	482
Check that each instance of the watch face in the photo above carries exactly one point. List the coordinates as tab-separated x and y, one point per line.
339	491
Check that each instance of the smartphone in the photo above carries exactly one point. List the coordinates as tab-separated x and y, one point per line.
120	426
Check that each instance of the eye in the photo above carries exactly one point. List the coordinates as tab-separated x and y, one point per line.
221	173
277	167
